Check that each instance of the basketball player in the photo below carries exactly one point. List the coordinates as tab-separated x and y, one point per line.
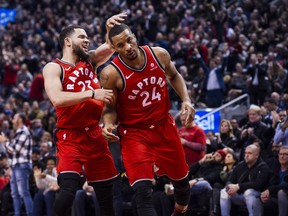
149	137
72	86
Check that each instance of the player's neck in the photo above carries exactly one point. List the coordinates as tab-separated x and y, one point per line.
71	59
138	62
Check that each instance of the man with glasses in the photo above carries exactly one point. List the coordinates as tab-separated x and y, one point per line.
281	131
280	189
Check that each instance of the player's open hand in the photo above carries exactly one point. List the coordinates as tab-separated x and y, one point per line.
108	134
188	109
115	20
105	95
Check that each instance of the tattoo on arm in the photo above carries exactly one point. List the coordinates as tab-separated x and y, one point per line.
104	79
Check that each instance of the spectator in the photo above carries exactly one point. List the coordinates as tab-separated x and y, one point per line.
203	175
246	182
212	144
23	75
10	74
21	150
238	84
4	175
226	137
229	164
86	201
45	153
255	129
37	88
259	83
276	73
281	131
37	130
46	183
214	83
193	140
280	189
236	129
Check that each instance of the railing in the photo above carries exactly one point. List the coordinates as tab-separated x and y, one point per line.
227	105
221	107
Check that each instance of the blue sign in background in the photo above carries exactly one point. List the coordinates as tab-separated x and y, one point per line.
210	123
6	16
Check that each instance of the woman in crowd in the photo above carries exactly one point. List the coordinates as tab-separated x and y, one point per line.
229	163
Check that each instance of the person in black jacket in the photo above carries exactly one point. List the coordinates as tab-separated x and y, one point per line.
246	182
280	189
254	130
260	86
203	175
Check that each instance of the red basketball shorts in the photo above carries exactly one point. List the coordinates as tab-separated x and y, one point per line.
158	145
78	148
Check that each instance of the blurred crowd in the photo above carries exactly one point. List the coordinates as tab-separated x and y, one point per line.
241	45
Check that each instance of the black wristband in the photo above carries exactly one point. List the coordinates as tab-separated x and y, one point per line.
93	93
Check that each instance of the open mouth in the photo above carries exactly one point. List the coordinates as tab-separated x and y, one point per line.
85	48
129	54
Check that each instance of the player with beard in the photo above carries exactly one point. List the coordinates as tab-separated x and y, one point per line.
72	86
149	137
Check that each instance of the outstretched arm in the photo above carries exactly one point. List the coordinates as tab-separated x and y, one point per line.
105	51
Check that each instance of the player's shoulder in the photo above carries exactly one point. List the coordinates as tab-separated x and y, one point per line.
160	52
51	67
110	72
109	69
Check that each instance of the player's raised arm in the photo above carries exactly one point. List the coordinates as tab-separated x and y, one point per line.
105	51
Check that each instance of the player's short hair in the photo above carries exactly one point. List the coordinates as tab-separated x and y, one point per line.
66	32
117	29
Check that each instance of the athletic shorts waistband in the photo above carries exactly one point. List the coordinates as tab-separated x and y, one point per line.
148	126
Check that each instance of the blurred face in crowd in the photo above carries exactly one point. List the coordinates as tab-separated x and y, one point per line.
50	164
229	159
125	44
254	116
217	157
251	154
212	63
275	149
224	127
3	162
234	123
253	59
16	121
283	155
44	148
282	115
210	135
239	68
260	57
35	156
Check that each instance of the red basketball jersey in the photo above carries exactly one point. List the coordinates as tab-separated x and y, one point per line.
80	77
144	98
